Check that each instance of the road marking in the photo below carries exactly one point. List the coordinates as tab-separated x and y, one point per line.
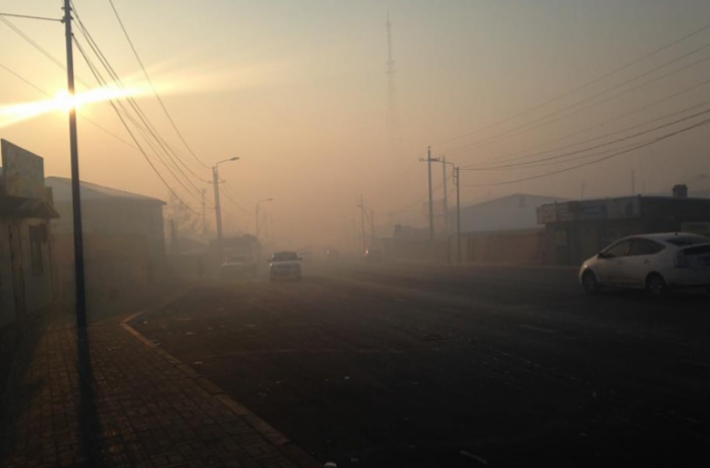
540	329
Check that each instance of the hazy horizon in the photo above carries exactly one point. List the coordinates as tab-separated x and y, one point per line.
298	91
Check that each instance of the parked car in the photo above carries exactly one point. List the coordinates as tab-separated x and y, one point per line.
238	265
655	262
285	265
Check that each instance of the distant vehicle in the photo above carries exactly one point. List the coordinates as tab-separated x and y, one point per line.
238	265
372	255
332	254
285	265
655	262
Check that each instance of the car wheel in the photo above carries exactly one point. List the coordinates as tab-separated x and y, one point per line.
656	286
590	283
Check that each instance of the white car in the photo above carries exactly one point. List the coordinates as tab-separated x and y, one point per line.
655	262
285	265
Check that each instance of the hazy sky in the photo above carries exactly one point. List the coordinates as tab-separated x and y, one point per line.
297	89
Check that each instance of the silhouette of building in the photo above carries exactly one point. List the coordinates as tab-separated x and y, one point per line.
26	269
124	241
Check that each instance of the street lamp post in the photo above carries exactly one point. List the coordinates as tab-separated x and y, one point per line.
217	206
258	208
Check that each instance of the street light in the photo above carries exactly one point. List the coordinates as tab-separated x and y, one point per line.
257	227
217	206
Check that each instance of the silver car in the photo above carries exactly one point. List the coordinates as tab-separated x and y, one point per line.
655	262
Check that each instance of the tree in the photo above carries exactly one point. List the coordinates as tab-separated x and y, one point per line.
187	222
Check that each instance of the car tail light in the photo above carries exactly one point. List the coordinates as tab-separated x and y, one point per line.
681	260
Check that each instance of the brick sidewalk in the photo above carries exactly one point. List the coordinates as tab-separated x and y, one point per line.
144	409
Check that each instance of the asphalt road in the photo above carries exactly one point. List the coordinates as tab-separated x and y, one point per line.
403	365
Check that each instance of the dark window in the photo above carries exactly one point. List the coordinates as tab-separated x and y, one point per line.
645	247
618	250
681	241
36	239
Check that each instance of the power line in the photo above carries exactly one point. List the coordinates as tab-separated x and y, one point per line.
226	192
614	119
44	18
527	127
584	85
571	153
39	48
155	92
99	79
165	147
422	198
596	161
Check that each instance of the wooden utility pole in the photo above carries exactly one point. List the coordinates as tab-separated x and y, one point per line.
431	196
79	274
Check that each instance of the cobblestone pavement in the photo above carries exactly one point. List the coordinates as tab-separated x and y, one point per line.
107	397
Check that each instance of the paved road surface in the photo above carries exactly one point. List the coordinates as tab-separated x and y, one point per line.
395	366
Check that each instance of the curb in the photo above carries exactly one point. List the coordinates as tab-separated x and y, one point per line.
291	451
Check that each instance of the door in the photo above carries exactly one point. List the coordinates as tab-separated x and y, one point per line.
642	260
18	274
611	263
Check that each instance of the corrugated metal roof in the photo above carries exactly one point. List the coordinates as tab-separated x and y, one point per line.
62	191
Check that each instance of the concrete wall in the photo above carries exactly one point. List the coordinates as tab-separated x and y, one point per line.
7	294
117	266
38	287
522	247
118	217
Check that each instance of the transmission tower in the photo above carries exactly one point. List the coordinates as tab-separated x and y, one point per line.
392	115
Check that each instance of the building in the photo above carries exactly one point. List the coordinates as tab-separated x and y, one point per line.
124	241
509	213
26	268
576	230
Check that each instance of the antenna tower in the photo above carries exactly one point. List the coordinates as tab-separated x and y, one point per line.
392	117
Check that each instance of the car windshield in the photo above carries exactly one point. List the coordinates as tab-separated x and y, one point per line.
284	257
683	241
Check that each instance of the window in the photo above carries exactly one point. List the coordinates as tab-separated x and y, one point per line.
645	247
36	239
618	250
681	241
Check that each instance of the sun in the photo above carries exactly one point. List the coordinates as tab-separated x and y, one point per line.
65	101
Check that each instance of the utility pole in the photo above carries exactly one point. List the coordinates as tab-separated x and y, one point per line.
218	207
372	226
75	180
392	117
173	237
362	221
446	198
431	197
457	181
218	212
257	226
204	214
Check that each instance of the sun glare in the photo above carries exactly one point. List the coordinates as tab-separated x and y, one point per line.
65	101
